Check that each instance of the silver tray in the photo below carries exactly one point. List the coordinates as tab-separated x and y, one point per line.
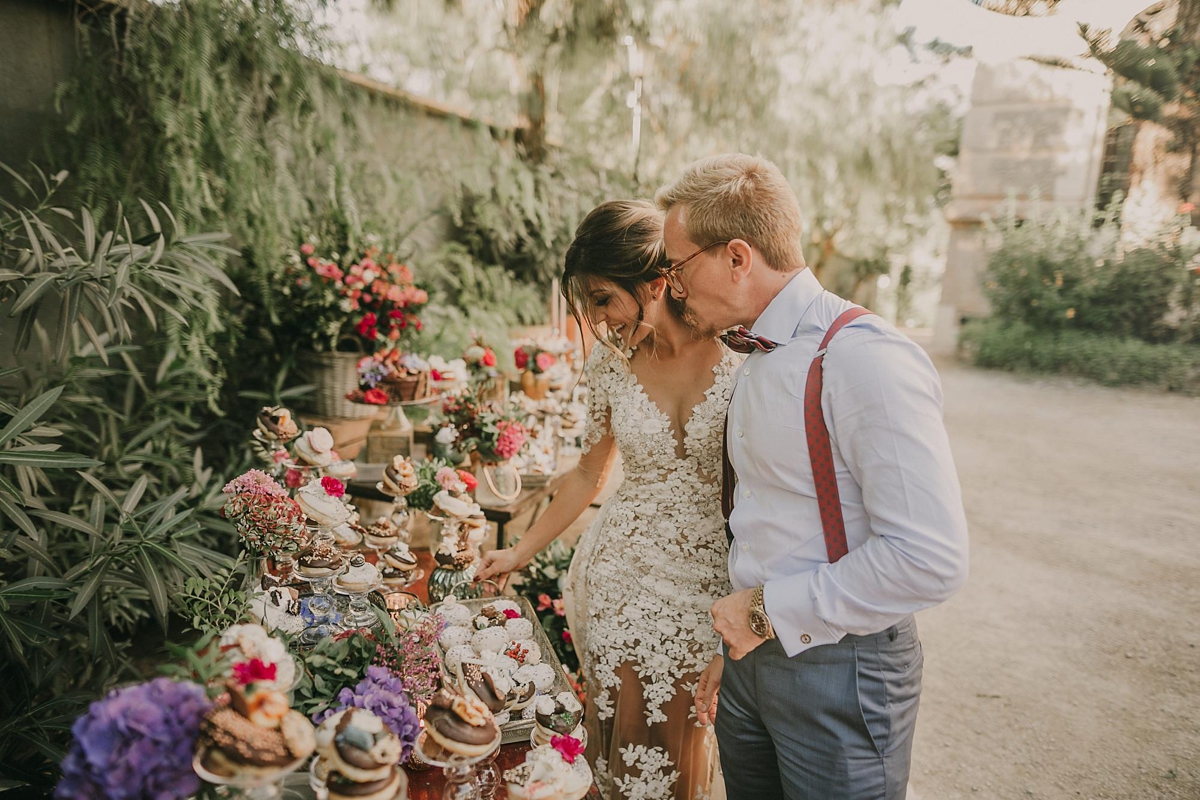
518	730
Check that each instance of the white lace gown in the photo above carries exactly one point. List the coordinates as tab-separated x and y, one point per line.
643	579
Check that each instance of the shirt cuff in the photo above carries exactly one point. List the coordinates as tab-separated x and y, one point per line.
792	610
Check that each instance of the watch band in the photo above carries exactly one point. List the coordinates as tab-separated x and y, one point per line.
758	603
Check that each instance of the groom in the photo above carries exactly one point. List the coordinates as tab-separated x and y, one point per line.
844	510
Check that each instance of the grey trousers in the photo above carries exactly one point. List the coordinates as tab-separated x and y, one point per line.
834	723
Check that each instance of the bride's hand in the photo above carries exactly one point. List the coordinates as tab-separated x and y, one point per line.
498	562
707	689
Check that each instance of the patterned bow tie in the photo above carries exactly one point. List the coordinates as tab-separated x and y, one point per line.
741	340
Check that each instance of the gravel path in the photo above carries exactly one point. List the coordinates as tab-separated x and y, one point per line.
1070	664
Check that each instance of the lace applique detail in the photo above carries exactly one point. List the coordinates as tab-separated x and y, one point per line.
653	562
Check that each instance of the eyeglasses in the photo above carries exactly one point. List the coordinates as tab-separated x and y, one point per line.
671	273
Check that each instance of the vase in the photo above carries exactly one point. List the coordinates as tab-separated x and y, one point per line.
499	482
534	385
443	580
333	375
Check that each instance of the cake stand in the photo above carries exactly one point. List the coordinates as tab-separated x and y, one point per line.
396	421
256	787
462	778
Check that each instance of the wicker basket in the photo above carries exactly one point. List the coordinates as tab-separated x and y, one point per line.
334	375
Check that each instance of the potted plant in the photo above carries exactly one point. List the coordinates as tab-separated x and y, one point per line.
534	362
340	307
485	378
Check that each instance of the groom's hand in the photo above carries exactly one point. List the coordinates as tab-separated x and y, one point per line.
731	620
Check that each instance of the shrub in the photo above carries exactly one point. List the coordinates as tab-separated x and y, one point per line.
1109	360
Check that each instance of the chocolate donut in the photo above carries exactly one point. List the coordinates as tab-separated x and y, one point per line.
483	686
385	788
461	724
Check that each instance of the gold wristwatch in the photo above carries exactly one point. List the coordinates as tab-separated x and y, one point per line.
760	623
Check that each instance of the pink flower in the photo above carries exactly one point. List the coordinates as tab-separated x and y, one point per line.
468	480
312	261
293	479
279	456
332	486
544	361
489	358
568	747
559	608
420	297
448	479
253	670
307	249
543	602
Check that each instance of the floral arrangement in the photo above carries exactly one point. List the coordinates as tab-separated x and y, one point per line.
365	297
480	359
534	358
493	430
422	498
268	520
380	375
136	742
455	481
414	657
382	693
568	747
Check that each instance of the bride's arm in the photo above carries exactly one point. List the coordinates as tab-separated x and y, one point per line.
581	486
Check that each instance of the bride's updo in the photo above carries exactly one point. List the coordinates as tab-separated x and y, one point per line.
621	242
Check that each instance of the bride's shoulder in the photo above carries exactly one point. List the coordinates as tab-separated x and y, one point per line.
602	359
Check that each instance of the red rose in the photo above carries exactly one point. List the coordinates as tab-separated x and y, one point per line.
396	313
434	375
512	613
568	747
367	323
489	358
332	486
376	397
468	479
521	358
567	637
253	670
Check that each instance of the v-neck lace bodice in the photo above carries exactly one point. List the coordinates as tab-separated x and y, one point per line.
643	579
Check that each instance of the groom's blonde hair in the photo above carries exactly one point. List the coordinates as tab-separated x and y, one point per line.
736	196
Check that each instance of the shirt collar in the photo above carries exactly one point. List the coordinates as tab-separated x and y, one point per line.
778	322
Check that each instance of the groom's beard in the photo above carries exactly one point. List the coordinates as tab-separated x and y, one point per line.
699	328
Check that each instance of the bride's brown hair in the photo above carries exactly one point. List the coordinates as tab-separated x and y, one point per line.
619	241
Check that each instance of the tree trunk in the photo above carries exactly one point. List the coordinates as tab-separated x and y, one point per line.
531	130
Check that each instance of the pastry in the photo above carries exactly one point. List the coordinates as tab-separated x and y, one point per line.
451	554
454	636
276	423
242	643
409	381
383	533
561	715
359	755
505	606
460	506
493	639
320	560
491	691
254	734
400	477
398	564
344	470
360	576
321	507
455	655
524	651
454	612
348	535
474	529
547	774
461	724
314	448
519	628
542	676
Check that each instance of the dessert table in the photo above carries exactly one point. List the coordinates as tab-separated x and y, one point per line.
427	784
531	497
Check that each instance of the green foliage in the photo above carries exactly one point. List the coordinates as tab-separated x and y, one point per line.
334	663
1060	272
1109	360
542	582
106	507
215	602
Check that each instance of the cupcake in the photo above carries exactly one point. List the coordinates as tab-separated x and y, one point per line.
360	576
400	477
243	643
314	448
383	533
276	424
359	755
253	735
460	724
319	560
454	612
561	715
321	507
550	772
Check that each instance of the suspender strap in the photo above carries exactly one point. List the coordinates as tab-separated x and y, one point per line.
820	451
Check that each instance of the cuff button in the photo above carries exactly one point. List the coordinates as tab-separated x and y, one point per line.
805	639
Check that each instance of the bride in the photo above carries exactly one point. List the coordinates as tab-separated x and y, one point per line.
649	568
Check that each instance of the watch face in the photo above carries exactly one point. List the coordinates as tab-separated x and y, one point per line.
758	623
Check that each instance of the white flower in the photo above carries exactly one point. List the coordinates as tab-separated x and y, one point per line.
369	276
446	435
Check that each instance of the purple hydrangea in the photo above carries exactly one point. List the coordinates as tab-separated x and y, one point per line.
381	693
137	742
